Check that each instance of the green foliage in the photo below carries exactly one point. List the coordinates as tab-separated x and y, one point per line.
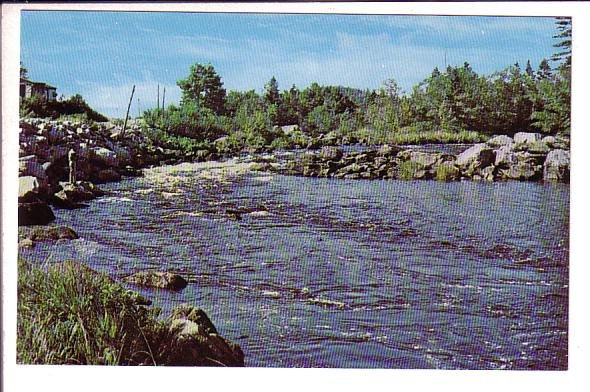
203	88
72	315
407	170
446	172
37	106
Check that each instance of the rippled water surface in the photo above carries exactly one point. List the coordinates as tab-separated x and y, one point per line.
307	272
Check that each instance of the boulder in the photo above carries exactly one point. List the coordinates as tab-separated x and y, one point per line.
426	159
505	156
71	195
157	279
34	213
557	166
104	156
194	341
447	171
331	153
29	189
500	140
525	168
30	166
107	175
527	137
477	156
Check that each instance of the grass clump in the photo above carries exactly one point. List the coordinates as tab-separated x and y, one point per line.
447	171
70	314
410	170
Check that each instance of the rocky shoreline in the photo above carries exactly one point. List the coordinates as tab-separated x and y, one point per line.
526	157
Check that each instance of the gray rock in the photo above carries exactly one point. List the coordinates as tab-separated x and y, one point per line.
29	189
501	140
426	159
557	166
331	153
527	137
156	279
549	140
480	155
30	166
104	156
505	156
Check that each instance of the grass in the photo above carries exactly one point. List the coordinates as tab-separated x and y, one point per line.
407	170
70	314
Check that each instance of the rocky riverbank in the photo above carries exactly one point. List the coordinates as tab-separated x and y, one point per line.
103	152
525	157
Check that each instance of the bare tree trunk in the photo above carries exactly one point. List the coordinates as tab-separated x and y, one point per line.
127	115
158	100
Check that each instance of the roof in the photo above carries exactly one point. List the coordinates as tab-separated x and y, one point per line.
38	83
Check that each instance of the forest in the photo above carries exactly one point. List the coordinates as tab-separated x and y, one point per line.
450	105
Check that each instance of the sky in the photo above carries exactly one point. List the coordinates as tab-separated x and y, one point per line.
101	55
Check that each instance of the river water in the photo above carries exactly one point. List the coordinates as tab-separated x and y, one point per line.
310	272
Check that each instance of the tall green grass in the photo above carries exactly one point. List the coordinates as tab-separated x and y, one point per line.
70	314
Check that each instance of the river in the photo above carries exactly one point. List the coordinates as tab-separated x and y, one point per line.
312	272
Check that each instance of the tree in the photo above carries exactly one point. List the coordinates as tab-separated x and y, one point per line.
271	92
544	71
529	69
24	72
203	87
564	25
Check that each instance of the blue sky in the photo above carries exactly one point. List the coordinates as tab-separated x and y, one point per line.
102	54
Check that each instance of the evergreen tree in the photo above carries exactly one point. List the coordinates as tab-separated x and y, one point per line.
203	87
271	92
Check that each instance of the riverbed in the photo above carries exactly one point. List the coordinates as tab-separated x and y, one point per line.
316	272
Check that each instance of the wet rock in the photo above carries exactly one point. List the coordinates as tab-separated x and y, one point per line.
156	279
557	166
388	150
34	213
46	233
425	159
193	341
527	137
71	195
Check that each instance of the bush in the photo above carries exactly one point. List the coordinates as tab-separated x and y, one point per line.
36	106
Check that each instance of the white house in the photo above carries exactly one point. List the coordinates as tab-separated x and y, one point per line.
29	88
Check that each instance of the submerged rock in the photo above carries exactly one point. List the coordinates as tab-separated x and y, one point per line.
46	233
157	279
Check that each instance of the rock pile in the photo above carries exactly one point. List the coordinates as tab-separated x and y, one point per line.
526	157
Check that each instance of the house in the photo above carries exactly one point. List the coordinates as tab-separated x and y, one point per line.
29	88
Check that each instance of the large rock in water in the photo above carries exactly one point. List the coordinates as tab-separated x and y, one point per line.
71	195
46	233
156	279
195	342
478	156
557	166
34	213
